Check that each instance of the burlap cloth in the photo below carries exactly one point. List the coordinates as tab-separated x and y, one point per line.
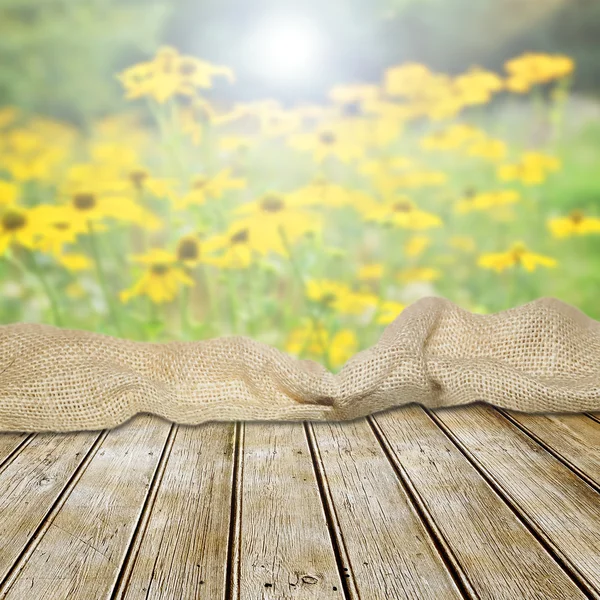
543	356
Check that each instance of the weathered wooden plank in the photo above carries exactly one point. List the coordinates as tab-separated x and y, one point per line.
561	508
183	551
282	548
481	530
80	553
9	442
575	438
389	552
31	483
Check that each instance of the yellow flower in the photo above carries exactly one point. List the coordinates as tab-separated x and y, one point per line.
75	291
168	74
574	224
161	280
477	86
462	242
388	311
416	245
419	274
236	143
407	80
532	169
339	297
531	69
194	115
314	340
321	193
329	140
273	221
74	262
17	227
401	213
486	200
424	178
234	247
349	95
9	192
518	254
92	203
114	158
342	347
390	112
203	188
29	156
489	149
387	165
57	228
452	137
138	180
370	272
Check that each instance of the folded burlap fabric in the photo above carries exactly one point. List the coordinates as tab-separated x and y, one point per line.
543	356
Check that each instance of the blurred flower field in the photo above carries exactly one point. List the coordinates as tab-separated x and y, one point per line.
308	227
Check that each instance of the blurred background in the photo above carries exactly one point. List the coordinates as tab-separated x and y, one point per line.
133	200
60	56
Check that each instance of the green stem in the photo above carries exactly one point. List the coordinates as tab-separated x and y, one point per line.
232	304
300	277
183	311
47	289
102	279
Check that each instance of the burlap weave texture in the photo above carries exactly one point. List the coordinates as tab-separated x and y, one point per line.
543	356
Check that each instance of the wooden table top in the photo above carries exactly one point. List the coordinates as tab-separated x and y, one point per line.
471	502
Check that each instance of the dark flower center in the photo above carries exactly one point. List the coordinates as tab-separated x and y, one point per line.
240	237
469	193
61	225
84	201
328	298
187	68
272	204
159	269
352	109
402	207
188	250
577	217
199	183
517	254
327	138
12	221
138	177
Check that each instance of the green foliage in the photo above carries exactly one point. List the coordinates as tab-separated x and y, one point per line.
60	56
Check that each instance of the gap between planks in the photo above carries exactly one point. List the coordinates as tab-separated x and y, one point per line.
62	497
550	449
136	540
532	527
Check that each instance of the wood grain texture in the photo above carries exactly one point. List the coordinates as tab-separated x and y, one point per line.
406	504
575	438
561	508
390	554
82	549
9	442
284	547
31	484
479	527
183	553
